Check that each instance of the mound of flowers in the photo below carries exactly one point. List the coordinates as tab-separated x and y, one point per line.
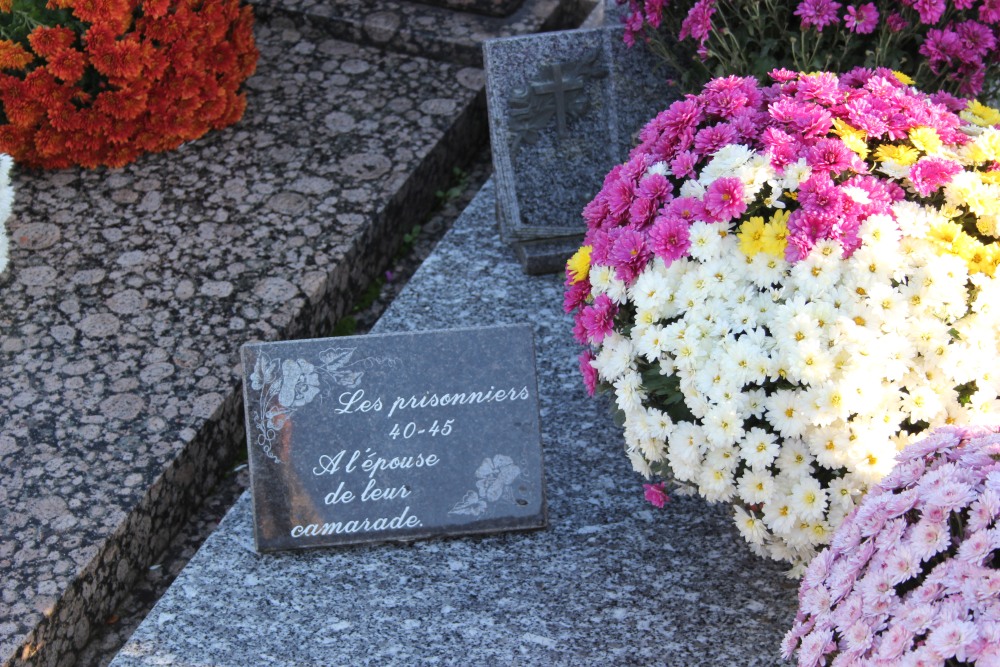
86	82
6	201
942	45
784	285
912	576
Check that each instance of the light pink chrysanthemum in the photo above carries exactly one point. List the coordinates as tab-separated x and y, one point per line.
930	595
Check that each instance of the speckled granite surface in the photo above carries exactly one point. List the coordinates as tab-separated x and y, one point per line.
427	30
130	292
612	581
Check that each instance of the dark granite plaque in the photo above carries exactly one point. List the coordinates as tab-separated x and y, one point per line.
393	436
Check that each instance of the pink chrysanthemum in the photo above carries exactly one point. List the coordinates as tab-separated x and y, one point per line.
896	22
932	592
656	494
670	238
598	318
629	253
817	13
931	173
588	371
929	10
724	199
862	20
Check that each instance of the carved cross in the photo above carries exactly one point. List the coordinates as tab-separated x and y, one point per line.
558	86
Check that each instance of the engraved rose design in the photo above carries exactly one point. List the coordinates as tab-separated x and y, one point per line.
495	477
493	483
299	383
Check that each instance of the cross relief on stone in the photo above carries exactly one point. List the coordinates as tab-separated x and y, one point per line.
559	90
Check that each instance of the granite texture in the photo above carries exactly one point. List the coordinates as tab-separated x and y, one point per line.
564	108
613	580
426	30
488	7
131	290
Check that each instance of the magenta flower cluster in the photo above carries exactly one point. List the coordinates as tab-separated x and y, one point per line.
639	212
959	40
912	576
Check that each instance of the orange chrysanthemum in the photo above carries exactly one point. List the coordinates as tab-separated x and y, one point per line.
123	77
13	56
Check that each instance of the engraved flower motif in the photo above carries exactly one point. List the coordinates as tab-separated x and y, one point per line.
495	476
299	383
265	372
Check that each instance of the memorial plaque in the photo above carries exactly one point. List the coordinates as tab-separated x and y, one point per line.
393	436
564	108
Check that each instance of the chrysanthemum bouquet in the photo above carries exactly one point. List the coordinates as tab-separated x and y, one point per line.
782	285
99	82
912	576
6	201
941	44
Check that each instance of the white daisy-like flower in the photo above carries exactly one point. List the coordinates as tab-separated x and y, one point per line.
706	243
756	486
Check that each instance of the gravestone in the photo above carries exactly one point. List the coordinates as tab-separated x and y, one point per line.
564	108
393	436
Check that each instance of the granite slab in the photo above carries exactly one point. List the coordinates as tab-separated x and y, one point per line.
429	30
131	290
612	581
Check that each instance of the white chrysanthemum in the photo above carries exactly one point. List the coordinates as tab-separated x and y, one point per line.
751	527
723	426
639	464
628	392
660	168
706	243
809	499
795	174
794	460
786	412
600	277
724	162
716	483
652	343
692	188
756	486
799	378
6	202
820	271
779	515
615	357
759	448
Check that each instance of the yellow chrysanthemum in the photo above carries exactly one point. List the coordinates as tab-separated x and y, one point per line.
980	114
750	236
944	233
925	139
990	177
904	155
903	78
992	259
987	225
988	143
775	237
578	266
857	144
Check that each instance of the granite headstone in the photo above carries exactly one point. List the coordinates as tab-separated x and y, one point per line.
393	436
564	108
